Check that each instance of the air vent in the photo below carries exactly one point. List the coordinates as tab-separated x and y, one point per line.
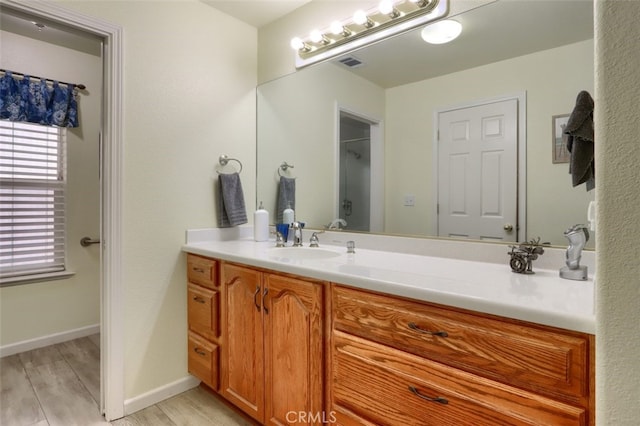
350	61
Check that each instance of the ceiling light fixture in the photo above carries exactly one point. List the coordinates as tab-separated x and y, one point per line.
441	32
391	17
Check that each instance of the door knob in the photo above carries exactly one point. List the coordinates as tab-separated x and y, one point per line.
508	227
87	241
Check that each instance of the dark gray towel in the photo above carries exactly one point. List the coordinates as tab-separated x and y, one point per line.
286	196
231	209
580	142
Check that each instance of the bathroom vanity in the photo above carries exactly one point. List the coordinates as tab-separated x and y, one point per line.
375	337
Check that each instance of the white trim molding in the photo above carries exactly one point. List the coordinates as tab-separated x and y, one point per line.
51	339
112	336
154	396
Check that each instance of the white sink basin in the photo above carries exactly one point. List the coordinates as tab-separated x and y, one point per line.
292	253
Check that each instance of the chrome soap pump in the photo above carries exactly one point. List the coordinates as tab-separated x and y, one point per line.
578	235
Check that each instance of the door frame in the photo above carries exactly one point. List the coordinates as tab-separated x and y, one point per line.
521	98
376	202
111	286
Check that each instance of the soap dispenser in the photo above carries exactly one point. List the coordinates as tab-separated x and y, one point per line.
288	215
261	224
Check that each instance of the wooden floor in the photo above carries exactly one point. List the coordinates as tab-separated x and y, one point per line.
60	386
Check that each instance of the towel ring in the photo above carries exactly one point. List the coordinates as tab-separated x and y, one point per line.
284	167
224	160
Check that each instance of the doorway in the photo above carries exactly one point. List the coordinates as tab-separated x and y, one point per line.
359	173
480	174
111	144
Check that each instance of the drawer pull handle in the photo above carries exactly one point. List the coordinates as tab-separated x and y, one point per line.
199	351
200	270
255	295
414	326
199	299
438	399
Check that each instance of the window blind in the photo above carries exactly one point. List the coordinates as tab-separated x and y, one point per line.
32	199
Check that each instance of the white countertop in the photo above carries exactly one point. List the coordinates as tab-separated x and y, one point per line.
542	298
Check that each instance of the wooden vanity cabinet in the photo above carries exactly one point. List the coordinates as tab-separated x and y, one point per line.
402	362
203	318
272	350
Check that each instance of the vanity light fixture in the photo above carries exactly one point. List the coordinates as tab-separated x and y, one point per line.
420	3
299	45
317	37
391	17
441	32
360	17
386	7
337	28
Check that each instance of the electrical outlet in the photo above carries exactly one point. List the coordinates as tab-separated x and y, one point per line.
409	200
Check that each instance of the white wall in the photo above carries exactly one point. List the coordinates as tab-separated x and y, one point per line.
37	310
189	96
617	177
551	79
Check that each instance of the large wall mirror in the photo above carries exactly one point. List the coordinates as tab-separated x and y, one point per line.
373	135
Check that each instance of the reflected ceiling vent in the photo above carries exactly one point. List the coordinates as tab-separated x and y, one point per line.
350	61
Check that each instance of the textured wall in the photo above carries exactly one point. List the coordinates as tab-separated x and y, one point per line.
189	96
617	117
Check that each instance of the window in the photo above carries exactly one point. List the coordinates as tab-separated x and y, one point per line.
32	199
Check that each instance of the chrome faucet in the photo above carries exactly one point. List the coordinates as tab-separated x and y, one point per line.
297	233
313	241
336	223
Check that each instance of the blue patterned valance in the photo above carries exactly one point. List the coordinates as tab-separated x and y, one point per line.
22	99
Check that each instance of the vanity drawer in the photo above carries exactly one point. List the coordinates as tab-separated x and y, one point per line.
203	360
202	271
203	311
536	358
373	384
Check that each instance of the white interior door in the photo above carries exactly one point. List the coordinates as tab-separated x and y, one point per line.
478	172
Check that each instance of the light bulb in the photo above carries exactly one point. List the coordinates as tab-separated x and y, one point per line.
336	28
297	43
441	32
315	36
360	17
386	8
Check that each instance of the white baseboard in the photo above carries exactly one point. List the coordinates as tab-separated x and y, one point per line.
159	394
51	339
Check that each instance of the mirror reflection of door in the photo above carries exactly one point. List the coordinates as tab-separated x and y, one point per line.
478	172
355	172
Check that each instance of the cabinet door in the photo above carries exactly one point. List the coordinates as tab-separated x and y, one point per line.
293	351
242	350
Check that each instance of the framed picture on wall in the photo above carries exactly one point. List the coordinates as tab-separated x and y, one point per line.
559	152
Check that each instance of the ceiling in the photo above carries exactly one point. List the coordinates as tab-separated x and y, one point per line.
257	13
